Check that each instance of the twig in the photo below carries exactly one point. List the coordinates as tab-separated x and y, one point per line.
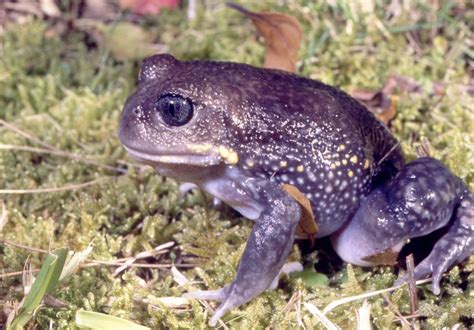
27	135
22	246
412	288
3	216
402	318
142	255
61	153
93	263
49	190
17	273
321	316
343	301
388	153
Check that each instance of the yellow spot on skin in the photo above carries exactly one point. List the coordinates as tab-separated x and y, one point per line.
229	155
366	164
354	159
283	163
200	148
224	152
338	163
250	162
350	173
341	147
344	162
332	166
300	168
233	158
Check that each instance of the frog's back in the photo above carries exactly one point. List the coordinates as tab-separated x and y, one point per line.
272	99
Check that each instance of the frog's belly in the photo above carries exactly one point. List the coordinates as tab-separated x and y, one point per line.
330	218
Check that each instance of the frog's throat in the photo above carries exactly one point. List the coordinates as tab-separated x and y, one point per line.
181	158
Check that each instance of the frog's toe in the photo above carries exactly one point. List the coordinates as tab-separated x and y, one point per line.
186	187
228	296
217	295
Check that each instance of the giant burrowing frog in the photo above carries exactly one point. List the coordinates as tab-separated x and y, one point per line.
241	132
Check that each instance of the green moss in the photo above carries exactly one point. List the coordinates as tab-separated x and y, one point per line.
70	97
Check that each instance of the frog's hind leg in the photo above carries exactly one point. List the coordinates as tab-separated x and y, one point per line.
423	197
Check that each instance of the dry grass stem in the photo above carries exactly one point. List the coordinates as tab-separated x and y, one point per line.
50	190
60	153
145	254
3	216
320	316
343	301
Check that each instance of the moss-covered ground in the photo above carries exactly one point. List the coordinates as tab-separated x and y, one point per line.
68	94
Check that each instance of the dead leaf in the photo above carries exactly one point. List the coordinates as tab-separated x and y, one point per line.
150	7
378	102
382	102
282	34
387	257
307	227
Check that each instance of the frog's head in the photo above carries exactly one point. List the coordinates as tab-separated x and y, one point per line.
175	117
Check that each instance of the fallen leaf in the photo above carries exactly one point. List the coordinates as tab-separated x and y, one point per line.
386	257
307	227
282	34
148	7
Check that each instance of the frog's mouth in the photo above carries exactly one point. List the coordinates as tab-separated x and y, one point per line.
185	157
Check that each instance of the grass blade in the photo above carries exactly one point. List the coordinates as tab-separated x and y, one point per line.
93	320
45	282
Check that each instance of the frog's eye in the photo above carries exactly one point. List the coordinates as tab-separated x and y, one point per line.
174	109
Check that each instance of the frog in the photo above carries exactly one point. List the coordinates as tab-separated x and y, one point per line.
241	132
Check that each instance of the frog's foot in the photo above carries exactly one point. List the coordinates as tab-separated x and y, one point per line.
186	187
423	197
267	249
233	299
455	246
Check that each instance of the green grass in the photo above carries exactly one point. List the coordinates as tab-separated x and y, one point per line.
70	96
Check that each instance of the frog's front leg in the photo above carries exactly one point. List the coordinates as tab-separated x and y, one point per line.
267	248
423	197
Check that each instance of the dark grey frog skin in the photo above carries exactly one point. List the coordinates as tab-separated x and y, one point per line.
240	132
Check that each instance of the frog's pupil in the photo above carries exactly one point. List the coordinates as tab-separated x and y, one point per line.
171	109
175	110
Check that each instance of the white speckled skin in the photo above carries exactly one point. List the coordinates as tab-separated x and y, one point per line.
253	130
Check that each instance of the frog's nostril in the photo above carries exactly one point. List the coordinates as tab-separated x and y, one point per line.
137	111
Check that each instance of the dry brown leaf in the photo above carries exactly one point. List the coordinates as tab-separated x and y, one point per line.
282	34
307	227
378	102
387	257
